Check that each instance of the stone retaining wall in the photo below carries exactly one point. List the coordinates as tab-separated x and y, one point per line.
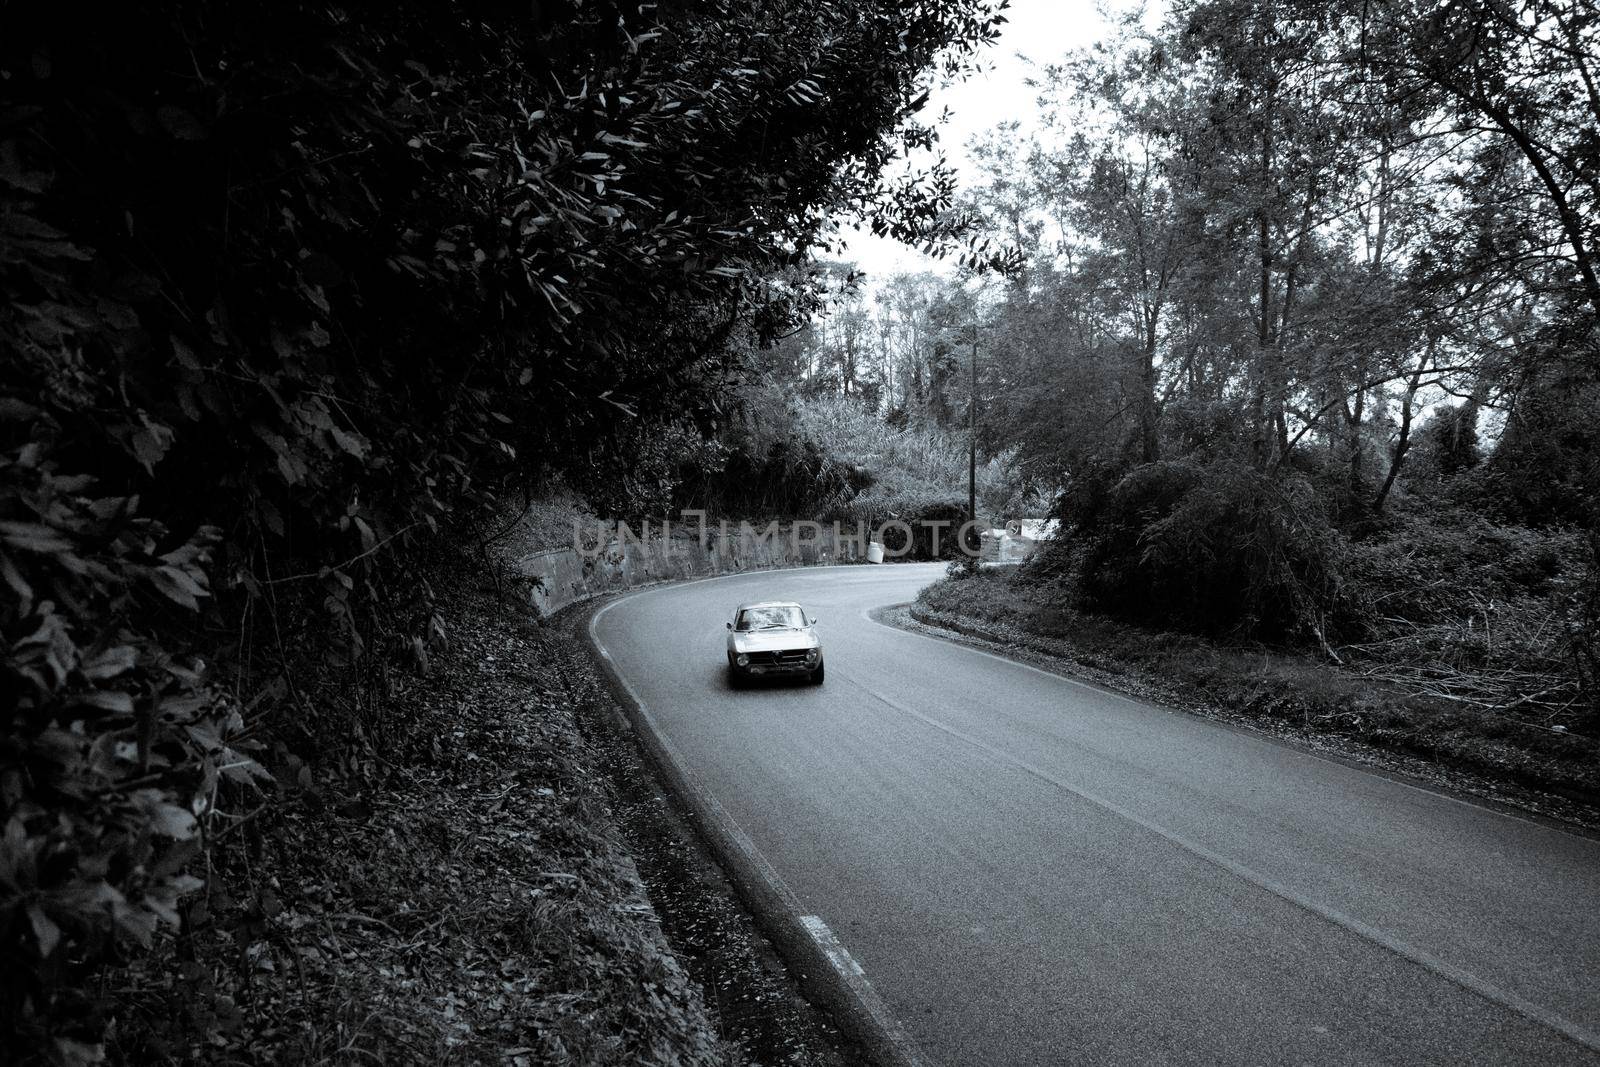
630	558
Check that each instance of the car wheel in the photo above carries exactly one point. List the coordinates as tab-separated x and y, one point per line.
736	679
816	675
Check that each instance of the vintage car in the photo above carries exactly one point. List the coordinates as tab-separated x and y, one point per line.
773	639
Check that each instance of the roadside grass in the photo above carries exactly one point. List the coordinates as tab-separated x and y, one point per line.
1268	686
466	898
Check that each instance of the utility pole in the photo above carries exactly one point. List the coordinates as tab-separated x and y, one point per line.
972	433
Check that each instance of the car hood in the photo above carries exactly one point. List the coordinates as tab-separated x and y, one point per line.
766	640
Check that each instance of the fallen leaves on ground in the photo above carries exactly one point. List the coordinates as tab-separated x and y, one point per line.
471	903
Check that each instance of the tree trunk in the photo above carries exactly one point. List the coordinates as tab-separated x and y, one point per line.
1403	442
1353	430
1149	444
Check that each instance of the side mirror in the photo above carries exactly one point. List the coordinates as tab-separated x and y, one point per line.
813	621
729	625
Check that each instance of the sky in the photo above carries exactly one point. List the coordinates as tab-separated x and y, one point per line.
1039	33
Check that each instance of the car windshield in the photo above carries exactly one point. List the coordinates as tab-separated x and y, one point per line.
782	617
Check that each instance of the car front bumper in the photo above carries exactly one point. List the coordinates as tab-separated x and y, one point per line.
774	663
761	670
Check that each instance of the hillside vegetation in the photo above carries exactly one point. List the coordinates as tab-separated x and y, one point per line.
288	293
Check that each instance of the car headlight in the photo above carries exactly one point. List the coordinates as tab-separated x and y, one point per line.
742	660
812	655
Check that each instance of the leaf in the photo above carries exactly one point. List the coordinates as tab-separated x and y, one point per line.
45	931
321	270
16	412
150	444
73	1052
33	537
178	586
19	585
241	768
112	700
137	923
352	443
116	660
13	174
162	909
184	354
171	820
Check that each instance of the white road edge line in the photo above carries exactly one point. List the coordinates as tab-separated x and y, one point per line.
1258	738
843	962
1449	971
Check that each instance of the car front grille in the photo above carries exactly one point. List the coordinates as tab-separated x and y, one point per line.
788	657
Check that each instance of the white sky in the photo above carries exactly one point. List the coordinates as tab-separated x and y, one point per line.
1039	32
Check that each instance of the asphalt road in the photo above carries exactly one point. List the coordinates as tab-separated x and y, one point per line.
1034	871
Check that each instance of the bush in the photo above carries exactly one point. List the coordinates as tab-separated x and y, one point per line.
1447	563
1545	470
1499	608
786	475
918	509
1580	642
1215	548
1264	684
114	750
923	460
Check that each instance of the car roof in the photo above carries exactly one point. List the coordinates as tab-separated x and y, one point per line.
769	604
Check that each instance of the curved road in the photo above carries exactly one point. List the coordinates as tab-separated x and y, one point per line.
1034	871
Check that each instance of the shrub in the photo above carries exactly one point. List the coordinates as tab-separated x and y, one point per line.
831	459
114	749
1580	642
1206	547
1545	470
1448	591
1446	563
919	510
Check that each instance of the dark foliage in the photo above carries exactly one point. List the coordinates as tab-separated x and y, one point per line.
1547	466
786	475
1447	444
931	530
1581	639
1442	563
1214	548
284	290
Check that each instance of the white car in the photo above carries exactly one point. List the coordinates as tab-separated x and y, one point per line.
773	639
